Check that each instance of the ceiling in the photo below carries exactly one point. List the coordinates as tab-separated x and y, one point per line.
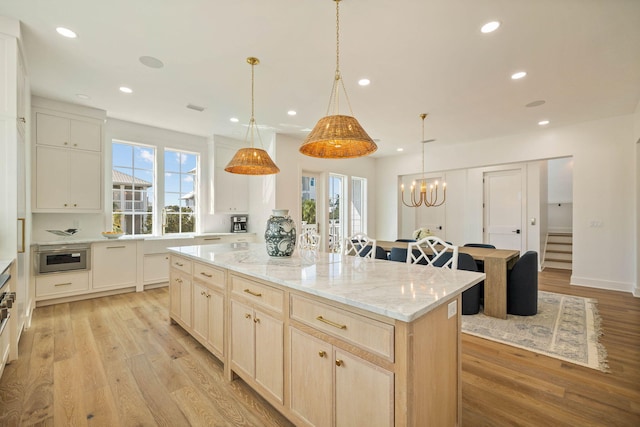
582	58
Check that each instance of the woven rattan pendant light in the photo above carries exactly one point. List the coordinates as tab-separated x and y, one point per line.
338	136
252	160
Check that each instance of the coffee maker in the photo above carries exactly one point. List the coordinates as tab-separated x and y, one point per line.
239	223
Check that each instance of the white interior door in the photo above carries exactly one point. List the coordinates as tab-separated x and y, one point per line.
503	209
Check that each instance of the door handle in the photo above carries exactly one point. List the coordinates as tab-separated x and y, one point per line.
516	231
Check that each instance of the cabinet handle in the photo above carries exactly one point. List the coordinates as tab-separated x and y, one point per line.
247	316
212	238
208	295
66	143
179	264
65	205
116	247
256	320
329	322
202	293
322	353
179	280
339	362
63	284
75	145
255	294
22	120
75	205
206	275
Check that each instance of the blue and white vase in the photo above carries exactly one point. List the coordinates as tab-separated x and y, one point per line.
280	235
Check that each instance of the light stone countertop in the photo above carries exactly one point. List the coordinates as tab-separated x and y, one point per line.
4	263
60	240
392	289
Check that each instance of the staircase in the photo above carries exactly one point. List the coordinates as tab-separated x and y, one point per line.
559	252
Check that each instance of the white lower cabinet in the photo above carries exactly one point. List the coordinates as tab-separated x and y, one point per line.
114	264
330	386
155	268
58	285
257	347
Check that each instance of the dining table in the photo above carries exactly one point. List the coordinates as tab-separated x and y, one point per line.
497	263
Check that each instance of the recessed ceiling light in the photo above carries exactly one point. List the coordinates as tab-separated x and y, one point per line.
543	122
490	27
151	62
399	149
65	32
234	119
364	82
536	103
83	96
125	89
291	113
518	75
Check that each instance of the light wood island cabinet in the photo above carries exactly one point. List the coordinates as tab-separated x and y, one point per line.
342	341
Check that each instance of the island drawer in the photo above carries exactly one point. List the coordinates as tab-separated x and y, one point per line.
208	274
181	264
258	293
372	335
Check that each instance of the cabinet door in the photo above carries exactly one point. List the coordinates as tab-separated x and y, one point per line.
52	130
114	265
156	268
269	357
174	294
200	311
52	178
355	407
85	135
242	337
85	180
311	379
231	191
216	322
185	300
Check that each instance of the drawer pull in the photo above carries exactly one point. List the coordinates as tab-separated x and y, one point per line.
179	280
202	293
339	362
206	275
256	320
250	292
247	316
115	247
212	238
179	264
322	353
63	284
329	322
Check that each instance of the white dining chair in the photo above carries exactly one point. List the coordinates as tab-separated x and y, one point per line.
309	240
432	251
360	245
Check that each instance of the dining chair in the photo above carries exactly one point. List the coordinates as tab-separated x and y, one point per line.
479	263
522	286
360	245
308	239
431	249
405	240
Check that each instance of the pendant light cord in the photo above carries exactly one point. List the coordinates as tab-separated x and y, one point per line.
335	92
252	120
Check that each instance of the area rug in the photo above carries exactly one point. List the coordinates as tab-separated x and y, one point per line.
566	327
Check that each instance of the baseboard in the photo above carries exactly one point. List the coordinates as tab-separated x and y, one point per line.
605	284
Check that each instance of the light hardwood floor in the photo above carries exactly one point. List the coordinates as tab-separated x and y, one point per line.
118	361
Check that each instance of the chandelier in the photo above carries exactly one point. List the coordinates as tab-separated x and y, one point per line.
252	160
338	136
428	198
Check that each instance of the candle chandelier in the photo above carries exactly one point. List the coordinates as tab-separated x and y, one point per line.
420	194
252	160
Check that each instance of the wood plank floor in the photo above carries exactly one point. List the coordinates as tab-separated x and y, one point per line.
117	361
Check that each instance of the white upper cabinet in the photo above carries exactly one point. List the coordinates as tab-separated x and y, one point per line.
231	191
68	133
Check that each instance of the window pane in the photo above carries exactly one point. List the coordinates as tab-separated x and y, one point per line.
180	192
172	182
122	155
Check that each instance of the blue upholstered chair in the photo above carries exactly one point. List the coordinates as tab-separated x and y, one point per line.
470	297
522	286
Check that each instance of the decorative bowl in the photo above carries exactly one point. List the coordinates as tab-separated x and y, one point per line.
112	234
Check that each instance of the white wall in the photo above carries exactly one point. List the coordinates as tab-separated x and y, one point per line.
604	165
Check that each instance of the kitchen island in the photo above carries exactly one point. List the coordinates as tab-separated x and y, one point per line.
328	339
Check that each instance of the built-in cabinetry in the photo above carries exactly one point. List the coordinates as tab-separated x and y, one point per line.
257	334
231	191
68	169
180	289
114	264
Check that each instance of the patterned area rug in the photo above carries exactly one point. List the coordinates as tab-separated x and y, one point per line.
566	327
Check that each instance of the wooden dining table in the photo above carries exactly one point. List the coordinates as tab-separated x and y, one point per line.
497	263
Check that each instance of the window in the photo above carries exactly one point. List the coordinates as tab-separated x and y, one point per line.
336	212
358	205
133	175
180	198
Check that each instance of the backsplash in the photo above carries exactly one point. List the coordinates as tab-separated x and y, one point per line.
90	225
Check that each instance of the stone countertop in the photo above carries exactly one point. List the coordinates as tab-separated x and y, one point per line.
393	289
4	263
60	240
